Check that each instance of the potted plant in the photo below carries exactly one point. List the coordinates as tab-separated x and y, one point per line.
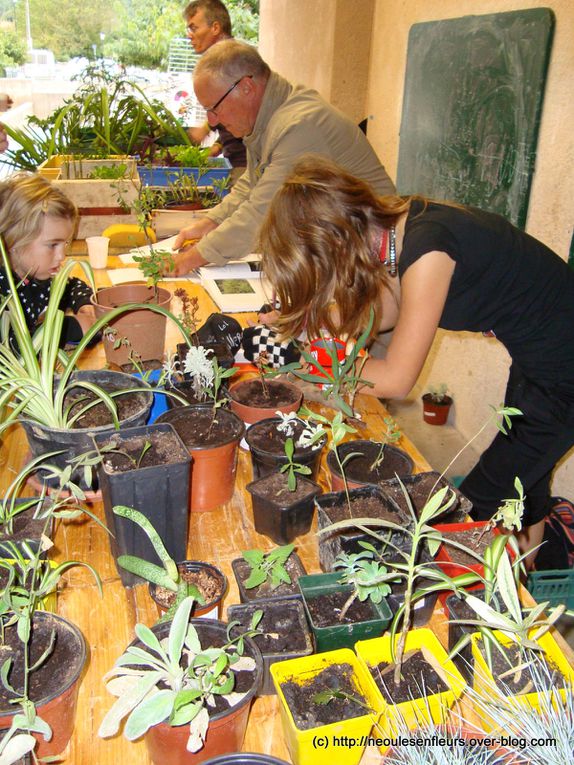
340	381
198	377
172	582
346	606
267	438
262	574
211	434
419	487
173	162
146	468
436	405
283	631
60	407
136	331
167	692
43	654
259	398
321	696
370	462
282	503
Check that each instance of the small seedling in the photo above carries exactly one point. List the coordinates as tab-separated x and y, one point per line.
269	567
189	313
368	576
438	393
154	265
330	694
293	468
392	435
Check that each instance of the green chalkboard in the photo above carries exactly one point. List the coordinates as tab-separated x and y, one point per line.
472	102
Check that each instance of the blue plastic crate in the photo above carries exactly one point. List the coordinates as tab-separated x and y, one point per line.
161	176
555	586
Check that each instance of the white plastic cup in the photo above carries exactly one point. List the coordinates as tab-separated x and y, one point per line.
98	250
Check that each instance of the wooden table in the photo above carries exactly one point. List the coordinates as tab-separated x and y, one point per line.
217	537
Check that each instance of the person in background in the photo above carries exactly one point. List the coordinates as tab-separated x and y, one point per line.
3	139
278	122
36	225
208	22
334	251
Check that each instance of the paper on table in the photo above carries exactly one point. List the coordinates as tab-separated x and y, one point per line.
165	244
122	275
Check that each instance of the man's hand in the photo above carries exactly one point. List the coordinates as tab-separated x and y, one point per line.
185	261
200	227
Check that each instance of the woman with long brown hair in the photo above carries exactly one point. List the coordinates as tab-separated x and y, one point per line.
334	251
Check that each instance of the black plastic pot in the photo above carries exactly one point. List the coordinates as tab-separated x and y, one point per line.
242	570
267	461
347	540
280	520
287	615
395	462
419	487
160	492
25	528
221	351
75	441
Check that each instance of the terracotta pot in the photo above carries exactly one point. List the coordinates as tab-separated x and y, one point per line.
58	708
436	412
167	744
251	413
145	330
214	465
211	609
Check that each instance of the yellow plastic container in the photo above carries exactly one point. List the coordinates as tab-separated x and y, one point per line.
484	684
129	235
416	712
340	743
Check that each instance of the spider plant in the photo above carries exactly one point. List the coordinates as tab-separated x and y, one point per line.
35	374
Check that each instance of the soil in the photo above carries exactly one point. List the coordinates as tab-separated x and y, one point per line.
266	437
419	488
24	527
362	507
294	568
474	539
198	428
416	675
325	609
163	450
251	393
308	714
281	625
515	684
127	405
360	469
56	673
185	389
131	369
273	487
209	586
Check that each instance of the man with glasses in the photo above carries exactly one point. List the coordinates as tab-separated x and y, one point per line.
208	22
278	123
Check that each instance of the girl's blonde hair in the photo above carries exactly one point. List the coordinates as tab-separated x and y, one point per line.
25	200
317	243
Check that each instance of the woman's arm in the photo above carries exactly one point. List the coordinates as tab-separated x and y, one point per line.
424	288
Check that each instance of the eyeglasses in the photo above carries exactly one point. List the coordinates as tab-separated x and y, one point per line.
224	96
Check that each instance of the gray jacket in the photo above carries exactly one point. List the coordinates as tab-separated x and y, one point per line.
292	121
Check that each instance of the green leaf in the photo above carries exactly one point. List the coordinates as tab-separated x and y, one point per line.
256	578
178	630
149	712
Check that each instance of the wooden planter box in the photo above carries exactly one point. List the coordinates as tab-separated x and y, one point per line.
97	199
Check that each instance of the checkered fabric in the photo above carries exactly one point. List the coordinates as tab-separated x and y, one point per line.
261	338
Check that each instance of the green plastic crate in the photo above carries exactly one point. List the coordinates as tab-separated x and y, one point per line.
555	586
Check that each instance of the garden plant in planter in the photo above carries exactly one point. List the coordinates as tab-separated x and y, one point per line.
146	468
267	440
349	605
171	583
60	407
436	405
259	398
186	686
266	575
282	503
43	654
197	376
211	434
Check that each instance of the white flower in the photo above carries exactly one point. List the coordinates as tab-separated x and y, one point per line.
198	364
311	435
287	424
170	366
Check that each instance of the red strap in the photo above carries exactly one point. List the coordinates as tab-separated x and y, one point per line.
384	240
